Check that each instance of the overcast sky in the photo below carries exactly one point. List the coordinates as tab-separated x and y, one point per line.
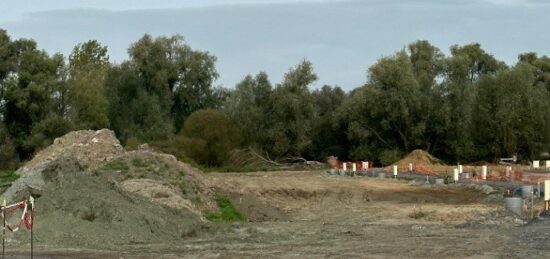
341	38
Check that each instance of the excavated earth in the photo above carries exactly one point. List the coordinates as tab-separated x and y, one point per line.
143	204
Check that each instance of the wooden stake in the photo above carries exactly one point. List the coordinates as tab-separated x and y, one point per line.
32	226
3	231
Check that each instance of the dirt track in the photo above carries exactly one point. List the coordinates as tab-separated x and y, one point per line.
308	214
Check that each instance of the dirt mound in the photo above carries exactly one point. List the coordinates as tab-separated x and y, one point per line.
419	157
81	209
90	148
156	175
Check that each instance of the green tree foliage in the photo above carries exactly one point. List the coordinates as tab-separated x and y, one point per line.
327	138
428	64
133	111
8	61
163	82
393	99
248	107
511	114
467	106
541	67
7	149
34	98
209	136
88	67
466	65
292	112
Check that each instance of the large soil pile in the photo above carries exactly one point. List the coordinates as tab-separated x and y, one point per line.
90	148
85	210
91	193
418	157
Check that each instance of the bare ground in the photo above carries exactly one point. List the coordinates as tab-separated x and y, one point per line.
310	215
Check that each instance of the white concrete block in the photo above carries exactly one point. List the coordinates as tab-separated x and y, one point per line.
536	164
455	174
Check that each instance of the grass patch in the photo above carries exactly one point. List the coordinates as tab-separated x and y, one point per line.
228	213
138	162
115	165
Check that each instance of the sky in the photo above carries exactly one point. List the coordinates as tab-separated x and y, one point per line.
342	38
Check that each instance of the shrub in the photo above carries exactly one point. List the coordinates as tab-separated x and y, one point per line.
417	214
208	136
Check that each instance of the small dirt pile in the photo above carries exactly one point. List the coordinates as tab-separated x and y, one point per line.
80	209
419	157
90	148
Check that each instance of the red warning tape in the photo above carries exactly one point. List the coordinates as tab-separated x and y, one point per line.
27	218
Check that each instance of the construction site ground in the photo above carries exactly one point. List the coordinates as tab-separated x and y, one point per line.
310	215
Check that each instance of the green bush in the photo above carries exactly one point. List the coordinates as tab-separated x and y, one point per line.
208	136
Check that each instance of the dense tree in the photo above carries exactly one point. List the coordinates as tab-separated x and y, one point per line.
511	114
292	112
162	83
328	138
541	67
467	64
34	98
393	99
88	67
8	61
248	107
134	112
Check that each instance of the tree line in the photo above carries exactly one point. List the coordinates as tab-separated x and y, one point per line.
463	107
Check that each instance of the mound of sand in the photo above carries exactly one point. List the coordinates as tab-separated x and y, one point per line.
418	157
85	210
90	148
